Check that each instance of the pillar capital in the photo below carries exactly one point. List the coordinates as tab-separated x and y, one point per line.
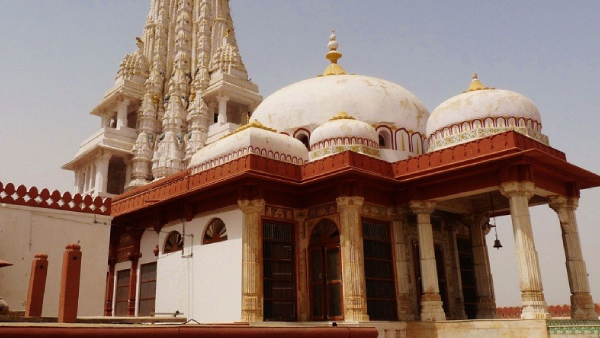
103	158
422	207
252	206
223	98
558	203
345	202
514	189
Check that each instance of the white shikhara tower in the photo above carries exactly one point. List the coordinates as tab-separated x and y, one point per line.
183	88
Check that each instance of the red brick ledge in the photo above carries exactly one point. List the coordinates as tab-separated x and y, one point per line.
212	331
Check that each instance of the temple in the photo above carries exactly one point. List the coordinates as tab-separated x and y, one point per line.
184	87
339	198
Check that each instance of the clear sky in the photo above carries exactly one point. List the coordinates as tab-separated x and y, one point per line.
58	58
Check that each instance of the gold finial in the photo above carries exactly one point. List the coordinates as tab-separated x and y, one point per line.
247	117
254	124
342	116
333	56
476	84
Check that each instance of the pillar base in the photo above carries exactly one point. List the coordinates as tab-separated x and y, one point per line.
251	311
534	307
582	307
486	309
356	310
431	308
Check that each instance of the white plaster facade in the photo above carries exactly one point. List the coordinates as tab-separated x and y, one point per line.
202	281
26	230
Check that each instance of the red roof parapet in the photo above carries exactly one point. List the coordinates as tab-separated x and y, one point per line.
55	200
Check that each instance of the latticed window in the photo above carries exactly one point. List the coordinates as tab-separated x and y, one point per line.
147	297
122	293
325	273
174	242
215	232
279	267
379	271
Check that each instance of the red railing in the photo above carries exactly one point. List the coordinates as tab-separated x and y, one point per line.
53	200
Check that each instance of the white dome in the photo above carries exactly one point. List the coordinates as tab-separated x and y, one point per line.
480	112
310	103
253	138
343	133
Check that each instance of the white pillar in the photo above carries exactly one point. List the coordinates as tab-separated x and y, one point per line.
122	113
353	268
486	304
105	121
252	286
101	173
532	291
582	305
87	178
431	301
222	108
78	184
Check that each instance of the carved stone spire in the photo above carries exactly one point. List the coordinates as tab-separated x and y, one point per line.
168	158
187	62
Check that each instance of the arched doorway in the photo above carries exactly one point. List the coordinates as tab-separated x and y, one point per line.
325	272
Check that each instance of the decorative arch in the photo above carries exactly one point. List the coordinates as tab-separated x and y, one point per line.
173	242
215	232
325	231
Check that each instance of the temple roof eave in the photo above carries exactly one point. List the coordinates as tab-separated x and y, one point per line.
437	176
126	90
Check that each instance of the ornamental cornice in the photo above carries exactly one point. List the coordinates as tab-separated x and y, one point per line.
515	189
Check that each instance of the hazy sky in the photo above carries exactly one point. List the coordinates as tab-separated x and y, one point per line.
58	58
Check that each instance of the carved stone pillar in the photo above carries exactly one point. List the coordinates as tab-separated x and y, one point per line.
303	293
110	277
222	109
353	269
457	307
582	305
122	113
486	303
532	291
252	292
102	162
431	301
401	262
134	257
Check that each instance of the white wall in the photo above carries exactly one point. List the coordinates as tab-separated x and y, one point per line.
25	231
205	282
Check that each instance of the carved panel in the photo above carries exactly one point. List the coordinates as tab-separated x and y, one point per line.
273	211
321	210
375	211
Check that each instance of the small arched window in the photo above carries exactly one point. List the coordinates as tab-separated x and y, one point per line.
174	242
385	139
304	139
215	232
